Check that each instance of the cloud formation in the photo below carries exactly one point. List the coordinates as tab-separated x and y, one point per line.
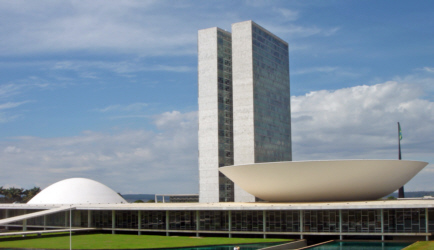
145	28
360	122
350	123
134	161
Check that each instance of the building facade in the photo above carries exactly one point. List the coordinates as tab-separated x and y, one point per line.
215	114
381	220
244	105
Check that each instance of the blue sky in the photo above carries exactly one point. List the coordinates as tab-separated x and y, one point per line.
108	89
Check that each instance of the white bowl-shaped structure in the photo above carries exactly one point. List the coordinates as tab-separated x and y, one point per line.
77	191
334	180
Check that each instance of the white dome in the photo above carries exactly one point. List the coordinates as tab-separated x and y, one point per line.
77	191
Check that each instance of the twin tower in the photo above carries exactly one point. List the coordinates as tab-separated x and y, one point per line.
244	105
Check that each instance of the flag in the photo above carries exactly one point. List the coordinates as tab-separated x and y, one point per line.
399	131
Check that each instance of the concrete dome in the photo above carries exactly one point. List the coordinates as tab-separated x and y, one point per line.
77	191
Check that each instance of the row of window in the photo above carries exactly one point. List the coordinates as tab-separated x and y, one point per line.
258	32
394	220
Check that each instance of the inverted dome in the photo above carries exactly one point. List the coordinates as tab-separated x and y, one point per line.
338	180
77	191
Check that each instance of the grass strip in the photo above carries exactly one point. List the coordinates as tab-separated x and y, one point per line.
421	245
121	241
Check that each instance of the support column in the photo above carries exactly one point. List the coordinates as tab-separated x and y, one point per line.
139	222
382	224
340	225
6	216
301	224
113	221
426	224
24	225
197	223
45	222
230	223
264	223
167	223
89	218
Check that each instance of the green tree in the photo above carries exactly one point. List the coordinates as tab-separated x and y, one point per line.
13	194
30	193
2	199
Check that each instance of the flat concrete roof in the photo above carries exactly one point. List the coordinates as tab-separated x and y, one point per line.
378	204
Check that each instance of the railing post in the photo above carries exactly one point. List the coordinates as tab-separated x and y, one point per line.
139	222
264	223
66	218
89	218
340	225
197	223
113	221
382	224
301	223
230	223
167	222
426	224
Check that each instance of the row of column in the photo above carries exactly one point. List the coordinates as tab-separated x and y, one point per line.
89	218
264	223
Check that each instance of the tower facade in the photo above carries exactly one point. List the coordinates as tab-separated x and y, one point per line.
244	105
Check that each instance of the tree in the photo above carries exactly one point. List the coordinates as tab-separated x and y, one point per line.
2	199
30	193
13	194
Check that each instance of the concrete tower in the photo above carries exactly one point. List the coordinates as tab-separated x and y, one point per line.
244	105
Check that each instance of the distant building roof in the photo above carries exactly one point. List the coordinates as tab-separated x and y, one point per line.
77	191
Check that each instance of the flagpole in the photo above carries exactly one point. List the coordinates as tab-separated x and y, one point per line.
401	189
399	141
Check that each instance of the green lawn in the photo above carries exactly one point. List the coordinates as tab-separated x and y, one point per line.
421	245
120	241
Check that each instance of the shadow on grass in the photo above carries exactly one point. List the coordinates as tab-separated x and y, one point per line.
40	236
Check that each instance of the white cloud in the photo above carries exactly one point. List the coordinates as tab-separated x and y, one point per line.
134	107
127	26
144	28
175	120
7	115
287	14
361	122
10	105
428	69
128	161
297	31
12	149
87	69
138	27
8	90
326	69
